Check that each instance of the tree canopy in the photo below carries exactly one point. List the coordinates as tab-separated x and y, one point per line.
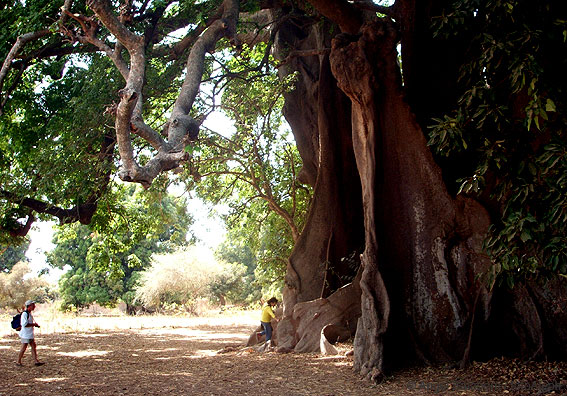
16	287
509	122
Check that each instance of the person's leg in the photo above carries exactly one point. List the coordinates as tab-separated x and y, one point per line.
22	350
34	350
263	328
268	332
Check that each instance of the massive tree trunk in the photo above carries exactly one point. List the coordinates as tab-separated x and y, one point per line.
422	286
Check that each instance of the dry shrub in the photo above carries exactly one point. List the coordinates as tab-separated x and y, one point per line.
178	279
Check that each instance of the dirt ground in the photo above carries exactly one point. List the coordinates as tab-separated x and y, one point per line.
207	358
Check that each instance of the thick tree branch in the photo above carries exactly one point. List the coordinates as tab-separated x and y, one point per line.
83	212
195	62
391	11
181	127
113	24
130	95
21	41
343	13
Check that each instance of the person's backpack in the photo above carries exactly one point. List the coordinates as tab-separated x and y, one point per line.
17	322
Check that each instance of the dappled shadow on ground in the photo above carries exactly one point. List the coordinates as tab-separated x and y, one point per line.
186	360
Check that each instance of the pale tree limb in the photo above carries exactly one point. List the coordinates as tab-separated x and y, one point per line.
181	126
21	41
130	95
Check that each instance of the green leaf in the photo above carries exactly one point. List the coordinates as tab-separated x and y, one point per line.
525	236
550	106
510	281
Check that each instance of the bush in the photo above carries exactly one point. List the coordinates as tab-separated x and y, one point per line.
180	278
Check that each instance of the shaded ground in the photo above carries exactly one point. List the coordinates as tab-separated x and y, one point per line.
199	360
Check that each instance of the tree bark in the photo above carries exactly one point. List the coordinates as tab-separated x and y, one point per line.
426	243
319	115
424	292
301	331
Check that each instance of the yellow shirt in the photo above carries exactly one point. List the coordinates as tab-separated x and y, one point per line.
267	314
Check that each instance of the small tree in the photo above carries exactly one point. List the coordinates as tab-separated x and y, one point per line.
238	283
16	288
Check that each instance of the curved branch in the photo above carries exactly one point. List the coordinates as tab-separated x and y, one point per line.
21	230
391	11
181	126
21	41
195	62
113	24
131	94
90	27
341	12
83	212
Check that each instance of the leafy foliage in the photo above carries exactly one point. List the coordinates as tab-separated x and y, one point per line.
106	257
12	254
237	282
39	151
510	121
254	170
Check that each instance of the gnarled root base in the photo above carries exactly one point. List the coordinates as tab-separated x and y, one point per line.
302	330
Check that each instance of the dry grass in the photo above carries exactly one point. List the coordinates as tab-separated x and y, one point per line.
53	321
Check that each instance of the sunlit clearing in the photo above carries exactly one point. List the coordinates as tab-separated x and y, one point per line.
87	353
53	379
162	350
203	353
95	335
198	334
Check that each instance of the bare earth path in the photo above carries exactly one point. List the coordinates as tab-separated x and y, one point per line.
207	358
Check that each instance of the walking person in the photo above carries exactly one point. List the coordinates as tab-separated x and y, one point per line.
266	319
26	333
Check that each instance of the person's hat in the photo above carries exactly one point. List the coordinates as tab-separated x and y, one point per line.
29	302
